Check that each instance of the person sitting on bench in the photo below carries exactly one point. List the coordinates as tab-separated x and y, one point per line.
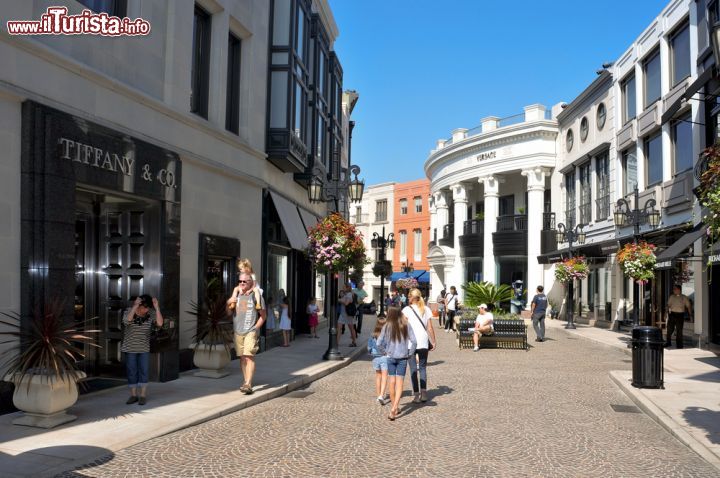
483	325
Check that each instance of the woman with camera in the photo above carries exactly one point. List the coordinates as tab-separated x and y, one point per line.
137	327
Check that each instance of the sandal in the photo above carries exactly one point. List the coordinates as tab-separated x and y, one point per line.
393	415
352	345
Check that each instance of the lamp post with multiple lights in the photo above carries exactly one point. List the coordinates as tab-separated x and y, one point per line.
381	243
570	235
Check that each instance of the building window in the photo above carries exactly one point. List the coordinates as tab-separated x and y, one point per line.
629	164
232	102
628	98
682	145
381	210
570	199
680	55
417	245
602	178
116	8
403	245
200	63
585	194
601	116
418	204
651	69
403	207
653	159
584	127
358	215
569	140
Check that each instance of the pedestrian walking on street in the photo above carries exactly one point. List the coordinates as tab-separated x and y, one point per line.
360	295
418	316
678	306
137	324
397	341
441	307
312	311
451	304
248	318
285	322
538	308
379	363
347	314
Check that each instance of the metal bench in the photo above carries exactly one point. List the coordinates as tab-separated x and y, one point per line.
508	334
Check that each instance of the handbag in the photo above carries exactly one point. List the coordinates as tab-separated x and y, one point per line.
431	346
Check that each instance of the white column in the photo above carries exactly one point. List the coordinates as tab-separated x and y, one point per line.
492	207
442	216
433	218
460	200
536	194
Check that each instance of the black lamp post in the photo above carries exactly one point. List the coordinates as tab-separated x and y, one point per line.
563	234
331	191
625	217
381	243
407	268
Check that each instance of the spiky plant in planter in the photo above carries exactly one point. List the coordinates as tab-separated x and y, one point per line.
43	363
213	338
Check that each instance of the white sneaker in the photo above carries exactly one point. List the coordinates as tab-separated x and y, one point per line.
380	400
475	349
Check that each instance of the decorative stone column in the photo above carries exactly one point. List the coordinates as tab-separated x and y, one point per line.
433	218
491	185
460	200
536	195
441	212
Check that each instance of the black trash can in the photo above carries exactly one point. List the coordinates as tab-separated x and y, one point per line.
647	357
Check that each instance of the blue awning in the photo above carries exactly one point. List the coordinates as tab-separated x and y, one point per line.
420	275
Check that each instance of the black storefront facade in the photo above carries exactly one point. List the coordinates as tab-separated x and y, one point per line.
100	224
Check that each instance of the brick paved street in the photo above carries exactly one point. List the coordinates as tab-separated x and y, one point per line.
546	412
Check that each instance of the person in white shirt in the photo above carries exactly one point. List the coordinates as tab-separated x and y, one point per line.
418	316
483	325
451	302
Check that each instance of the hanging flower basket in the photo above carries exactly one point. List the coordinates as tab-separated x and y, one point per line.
335	245
406	283
382	269
637	261
709	190
571	269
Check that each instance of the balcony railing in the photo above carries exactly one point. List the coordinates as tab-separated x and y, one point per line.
548	221
448	238
359	218
474	226
512	223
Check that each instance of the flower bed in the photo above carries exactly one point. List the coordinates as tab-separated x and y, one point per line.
571	269
637	261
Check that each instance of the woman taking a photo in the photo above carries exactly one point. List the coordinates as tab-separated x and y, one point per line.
397	342
137	326
418	316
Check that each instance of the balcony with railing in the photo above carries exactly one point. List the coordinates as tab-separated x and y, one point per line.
548	241
448	237
511	236
472	238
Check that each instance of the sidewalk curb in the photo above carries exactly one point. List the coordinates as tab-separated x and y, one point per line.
622	380
323	369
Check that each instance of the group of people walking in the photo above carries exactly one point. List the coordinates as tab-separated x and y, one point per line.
403	340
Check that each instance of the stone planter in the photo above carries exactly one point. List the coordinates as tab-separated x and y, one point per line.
46	400
211	360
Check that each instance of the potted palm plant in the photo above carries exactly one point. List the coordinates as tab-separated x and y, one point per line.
43	364
213	338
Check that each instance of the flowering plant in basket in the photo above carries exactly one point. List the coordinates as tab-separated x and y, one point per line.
709	191
572	268
406	283
335	245
637	261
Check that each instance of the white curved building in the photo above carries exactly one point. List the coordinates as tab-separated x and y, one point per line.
490	213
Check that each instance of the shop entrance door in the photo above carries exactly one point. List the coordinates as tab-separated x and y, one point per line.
117	250
713	289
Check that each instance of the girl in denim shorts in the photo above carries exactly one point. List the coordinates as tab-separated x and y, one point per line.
397	342
379	363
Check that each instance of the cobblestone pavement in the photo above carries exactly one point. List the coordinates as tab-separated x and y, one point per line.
546	412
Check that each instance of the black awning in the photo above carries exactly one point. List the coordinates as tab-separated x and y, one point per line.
553	257
666	258
291	222
693	88
309	219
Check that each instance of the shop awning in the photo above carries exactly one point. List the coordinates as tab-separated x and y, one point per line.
553	257
419	275
309	219
291	222
667	257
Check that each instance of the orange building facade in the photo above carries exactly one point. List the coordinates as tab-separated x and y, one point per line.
412	224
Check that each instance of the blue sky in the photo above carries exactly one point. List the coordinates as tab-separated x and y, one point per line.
426	67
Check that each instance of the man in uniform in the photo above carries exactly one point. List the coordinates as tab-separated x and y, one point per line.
677	306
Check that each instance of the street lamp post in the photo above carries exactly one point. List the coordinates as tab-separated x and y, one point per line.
332	190
381	243
624	217
563	234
